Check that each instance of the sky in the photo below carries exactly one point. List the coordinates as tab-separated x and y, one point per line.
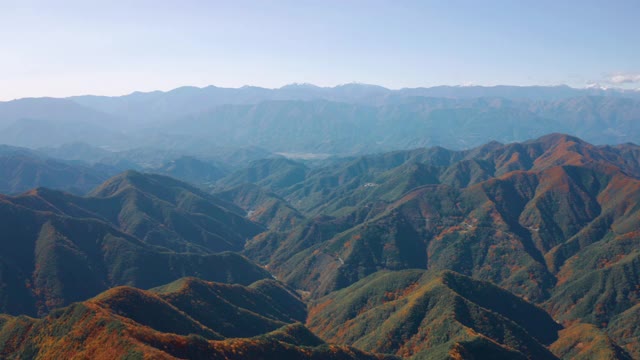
63	48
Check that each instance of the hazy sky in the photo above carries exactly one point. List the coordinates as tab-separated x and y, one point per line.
61	48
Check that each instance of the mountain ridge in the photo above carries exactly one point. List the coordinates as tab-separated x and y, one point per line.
139	230
308	119
125	322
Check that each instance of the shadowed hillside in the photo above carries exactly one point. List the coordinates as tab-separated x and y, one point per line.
156	209
57	248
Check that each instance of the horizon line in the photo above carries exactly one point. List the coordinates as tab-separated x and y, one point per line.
587	87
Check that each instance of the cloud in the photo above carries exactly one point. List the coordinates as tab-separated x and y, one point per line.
623	78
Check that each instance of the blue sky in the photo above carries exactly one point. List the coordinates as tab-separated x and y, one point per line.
62	48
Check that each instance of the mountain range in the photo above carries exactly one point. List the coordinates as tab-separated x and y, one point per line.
306	119
552	220
524	250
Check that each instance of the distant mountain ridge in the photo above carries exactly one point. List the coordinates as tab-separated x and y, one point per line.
321	126
176	101
346	119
